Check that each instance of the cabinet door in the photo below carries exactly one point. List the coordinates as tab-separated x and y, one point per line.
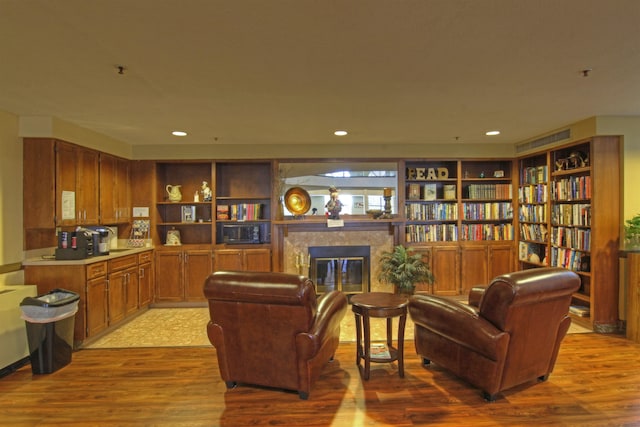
198	266
445	265
257	259
87	186
107	189
96	305
145	281
117	296
122	194
501	260
474	267
228	259
67	206
169	276
132	286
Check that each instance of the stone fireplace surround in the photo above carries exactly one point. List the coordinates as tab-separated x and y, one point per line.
379	241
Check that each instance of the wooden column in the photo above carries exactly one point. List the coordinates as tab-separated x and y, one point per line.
633	297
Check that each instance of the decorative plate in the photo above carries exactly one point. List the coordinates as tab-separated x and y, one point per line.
297	200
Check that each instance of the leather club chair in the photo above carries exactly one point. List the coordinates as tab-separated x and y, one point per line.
270	329
509	334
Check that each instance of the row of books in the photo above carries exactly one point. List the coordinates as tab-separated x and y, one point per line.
534	174
431	191
571	214
533	232
489	191
570	259
239	212
577	238
431	233
486	232
533	213
533	193
487	211
572	188
431	211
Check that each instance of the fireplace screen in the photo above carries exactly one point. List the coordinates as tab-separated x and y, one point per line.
335	268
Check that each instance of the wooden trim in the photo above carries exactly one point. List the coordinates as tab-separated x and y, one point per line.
9	268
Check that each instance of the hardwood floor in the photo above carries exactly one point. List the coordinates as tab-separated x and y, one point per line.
596	383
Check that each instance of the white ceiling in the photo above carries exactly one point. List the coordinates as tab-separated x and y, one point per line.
293	71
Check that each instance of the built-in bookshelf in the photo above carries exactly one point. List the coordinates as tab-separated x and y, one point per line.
533	211
568	212
243	197
451	201
431	204
487	200
188	216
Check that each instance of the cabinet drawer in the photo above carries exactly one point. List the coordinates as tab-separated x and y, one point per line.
96	269
145	257
123	262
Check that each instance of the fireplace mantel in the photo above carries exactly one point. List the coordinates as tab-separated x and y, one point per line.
351	223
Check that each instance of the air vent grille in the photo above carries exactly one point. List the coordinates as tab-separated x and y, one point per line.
545	140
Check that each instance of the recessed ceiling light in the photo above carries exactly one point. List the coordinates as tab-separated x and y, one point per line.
493	132
340	133
179	133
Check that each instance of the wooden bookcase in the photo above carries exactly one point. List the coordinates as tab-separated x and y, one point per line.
460	215
569	209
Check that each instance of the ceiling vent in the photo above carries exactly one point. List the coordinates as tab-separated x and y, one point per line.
545	140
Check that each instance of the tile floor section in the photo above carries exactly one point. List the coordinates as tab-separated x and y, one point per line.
186	327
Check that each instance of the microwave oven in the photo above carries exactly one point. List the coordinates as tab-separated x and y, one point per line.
244	233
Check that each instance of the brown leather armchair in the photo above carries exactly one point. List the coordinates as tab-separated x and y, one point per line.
508	335
270	329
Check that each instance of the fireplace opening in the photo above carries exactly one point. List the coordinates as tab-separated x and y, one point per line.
342	268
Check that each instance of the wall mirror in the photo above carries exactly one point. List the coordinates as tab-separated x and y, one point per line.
360	184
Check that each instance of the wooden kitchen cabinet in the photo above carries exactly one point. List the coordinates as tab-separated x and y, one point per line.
180	274
115	199
145	279
240	259
123	287
97	303
77	172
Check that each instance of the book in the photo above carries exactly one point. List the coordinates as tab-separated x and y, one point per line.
450	191
414	192
429	192
222	212
379	351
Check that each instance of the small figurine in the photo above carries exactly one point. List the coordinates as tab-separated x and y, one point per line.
206	192
334	206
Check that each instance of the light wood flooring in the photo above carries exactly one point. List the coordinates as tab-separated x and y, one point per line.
596	383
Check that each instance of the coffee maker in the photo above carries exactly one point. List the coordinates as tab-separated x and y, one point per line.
102	239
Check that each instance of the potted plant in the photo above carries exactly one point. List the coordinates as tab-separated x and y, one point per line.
632	231
404	269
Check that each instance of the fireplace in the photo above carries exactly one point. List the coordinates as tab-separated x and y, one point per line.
342	268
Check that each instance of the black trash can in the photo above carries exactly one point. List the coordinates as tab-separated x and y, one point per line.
50	320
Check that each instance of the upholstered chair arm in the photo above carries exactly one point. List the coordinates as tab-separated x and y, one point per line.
459	323
475	295
332	308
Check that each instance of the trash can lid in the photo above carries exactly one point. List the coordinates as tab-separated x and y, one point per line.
55	298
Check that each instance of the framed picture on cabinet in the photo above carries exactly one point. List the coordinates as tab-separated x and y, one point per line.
188	214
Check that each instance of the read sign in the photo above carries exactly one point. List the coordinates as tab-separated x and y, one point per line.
425	174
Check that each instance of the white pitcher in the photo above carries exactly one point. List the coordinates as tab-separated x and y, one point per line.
174	193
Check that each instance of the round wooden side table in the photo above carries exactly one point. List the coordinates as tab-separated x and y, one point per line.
379	305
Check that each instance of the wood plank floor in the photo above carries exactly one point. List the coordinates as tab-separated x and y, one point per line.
596	383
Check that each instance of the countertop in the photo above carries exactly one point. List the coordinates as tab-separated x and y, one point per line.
114	253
